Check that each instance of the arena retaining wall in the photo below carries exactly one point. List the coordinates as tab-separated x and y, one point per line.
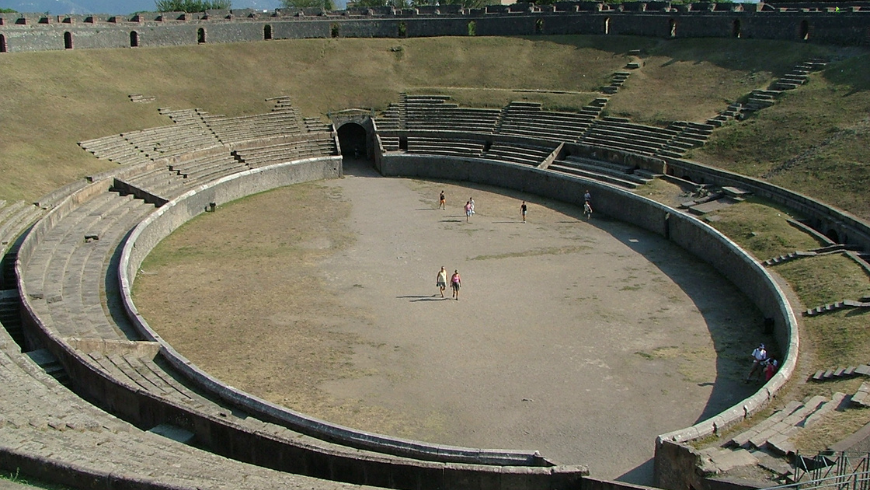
686	231
848	25
494	469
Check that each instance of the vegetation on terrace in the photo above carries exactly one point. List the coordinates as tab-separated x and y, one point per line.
811	141
814	140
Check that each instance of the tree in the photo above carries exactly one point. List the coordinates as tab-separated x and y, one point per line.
192	6
308	4
8	11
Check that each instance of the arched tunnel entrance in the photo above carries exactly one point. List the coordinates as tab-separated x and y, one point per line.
353	140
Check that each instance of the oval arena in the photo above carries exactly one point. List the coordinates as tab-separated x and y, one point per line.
132	392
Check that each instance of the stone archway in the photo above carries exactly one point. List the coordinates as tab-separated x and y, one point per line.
354	141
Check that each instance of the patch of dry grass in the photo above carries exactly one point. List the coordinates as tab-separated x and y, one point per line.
833	428
763	229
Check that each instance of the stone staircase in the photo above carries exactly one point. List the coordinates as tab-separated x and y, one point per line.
52	366
799	254
596	107
837	306
689	135
798	75
733	111
10	314
616	81
841	373
760	98
768	444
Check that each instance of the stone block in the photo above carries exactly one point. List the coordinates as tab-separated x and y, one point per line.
780	445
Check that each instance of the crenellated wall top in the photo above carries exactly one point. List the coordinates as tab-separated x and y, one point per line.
247	15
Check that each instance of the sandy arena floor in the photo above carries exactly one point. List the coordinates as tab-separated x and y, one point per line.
583	340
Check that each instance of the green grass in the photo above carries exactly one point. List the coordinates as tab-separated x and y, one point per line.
825	279
52	100
763	229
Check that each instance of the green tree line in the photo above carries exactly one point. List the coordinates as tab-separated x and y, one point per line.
192	6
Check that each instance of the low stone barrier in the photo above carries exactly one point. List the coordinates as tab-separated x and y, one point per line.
696	237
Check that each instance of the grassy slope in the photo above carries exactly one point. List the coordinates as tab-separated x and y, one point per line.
52	100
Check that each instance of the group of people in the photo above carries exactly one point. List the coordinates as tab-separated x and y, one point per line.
455	282
762	365
469	206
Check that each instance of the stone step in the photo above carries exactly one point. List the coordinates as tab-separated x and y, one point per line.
861	397
742	439
52	366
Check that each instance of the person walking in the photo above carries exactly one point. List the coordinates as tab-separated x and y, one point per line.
442	201
524	210
587	210
467	211
455	283
587	197
441	280
471	201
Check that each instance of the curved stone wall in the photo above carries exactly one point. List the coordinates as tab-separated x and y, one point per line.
845	24
172	215
691	234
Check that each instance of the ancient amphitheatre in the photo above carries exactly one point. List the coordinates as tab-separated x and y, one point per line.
498	210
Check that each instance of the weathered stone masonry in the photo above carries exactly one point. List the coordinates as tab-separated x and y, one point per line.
840	24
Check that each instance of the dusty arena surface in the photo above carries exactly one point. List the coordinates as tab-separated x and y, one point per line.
583	340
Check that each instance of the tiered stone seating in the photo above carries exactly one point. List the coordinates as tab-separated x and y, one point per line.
620	134
524	154
207	168
527	119
282	104
688	135
15	219
286	150
55	431
66	273
393	118
612	173
432	112
244	128
171	140
174	179
313	124
447	147
115	148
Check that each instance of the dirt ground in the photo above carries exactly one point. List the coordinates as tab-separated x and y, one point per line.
583	340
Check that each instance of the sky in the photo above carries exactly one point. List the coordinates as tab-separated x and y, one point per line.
120	7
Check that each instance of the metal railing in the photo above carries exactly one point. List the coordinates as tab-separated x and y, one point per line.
840	471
